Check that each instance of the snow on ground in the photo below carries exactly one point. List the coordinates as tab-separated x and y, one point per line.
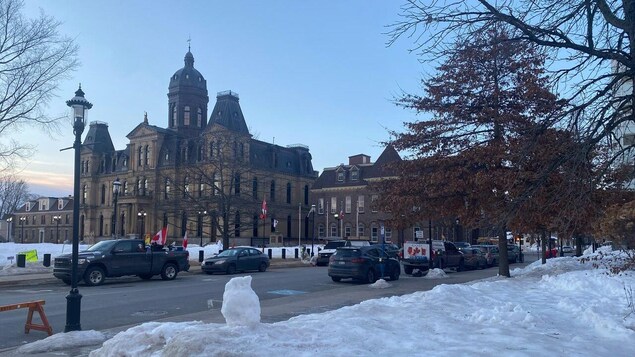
564	307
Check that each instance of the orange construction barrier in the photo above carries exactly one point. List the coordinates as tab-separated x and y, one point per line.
33	306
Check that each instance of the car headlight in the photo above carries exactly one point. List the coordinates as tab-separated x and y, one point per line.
81	260
222	261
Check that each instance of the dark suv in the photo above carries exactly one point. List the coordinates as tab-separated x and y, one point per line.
329	249
367	264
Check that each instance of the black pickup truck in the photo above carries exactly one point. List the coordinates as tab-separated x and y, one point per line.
113	258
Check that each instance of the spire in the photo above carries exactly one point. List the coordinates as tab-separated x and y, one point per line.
189	58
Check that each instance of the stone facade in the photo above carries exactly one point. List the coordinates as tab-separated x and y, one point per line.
44	220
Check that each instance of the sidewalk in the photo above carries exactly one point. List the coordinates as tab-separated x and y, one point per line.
43	274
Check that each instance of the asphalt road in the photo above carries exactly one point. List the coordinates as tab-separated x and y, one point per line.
125	302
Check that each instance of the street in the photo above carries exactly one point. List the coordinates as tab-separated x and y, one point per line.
124	302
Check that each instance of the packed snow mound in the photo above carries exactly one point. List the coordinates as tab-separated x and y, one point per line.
62	341
436	273
380	284
241	306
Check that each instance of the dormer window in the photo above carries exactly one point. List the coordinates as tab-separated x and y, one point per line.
60	203
354	174
28	206
340	176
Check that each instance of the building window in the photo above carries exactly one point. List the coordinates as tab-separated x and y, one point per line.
347	230
211	149
186	115
360	204
166	194
125	188
139	156
216	183
199	117
321	230
103	194
201	187
333	230
373	199
374	233
361	230
340	176
388	235
254	188
237	184
174	117
84	194
147	156
333	205
354	174
145	186
347	207
288	192
186	187
320	206
272	191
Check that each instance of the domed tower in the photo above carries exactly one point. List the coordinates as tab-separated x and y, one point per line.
187	99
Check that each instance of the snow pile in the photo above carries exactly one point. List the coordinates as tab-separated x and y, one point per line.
241	306
436	273
61	340
380	284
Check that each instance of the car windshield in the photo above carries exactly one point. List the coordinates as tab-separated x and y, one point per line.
348	253
101	246
228	253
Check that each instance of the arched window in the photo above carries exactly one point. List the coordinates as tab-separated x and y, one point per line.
140	156
186	186
84	194
237	184
145	186
125	188
166	194
103	194
186	115
147	156
216	182
174	117
306	194
199	117
289	234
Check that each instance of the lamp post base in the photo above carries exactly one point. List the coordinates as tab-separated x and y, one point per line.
73	311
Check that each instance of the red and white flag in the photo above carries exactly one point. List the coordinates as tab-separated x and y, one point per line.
161	237
185	240
263	215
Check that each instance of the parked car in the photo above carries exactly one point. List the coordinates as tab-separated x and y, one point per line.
567	249
513	253
325	254
362	263
474	258
551	253
491	253
236	259
462	245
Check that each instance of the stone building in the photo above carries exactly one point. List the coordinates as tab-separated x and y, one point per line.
203	173
344	200
44	220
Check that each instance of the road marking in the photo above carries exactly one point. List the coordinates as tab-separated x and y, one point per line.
286	292
25	291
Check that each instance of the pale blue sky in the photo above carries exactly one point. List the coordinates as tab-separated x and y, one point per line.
311	72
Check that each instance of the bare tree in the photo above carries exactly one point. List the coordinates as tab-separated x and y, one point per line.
34	57
14	193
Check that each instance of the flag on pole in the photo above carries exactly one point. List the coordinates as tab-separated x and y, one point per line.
185	240
263	215
275	223
161	237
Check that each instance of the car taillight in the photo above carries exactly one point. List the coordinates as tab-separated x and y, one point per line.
357	260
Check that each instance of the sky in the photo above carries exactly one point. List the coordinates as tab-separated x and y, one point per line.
564	307
308	72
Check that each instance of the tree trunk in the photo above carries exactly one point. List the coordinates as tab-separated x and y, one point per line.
543	246
503	261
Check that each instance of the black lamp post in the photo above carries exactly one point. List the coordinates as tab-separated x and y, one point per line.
57	228
142	221
200	225
116	188
9	222
80	105
22	220
312	229
337	218
430	265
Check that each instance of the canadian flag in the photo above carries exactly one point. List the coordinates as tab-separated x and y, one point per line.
185	240
263	215
161	237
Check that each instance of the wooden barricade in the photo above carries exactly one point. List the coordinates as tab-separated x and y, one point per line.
33	306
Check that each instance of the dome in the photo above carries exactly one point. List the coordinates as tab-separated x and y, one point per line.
188	76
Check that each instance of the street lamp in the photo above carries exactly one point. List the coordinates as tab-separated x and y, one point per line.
22	220
9	222
79	105
337	217
57	228
312	229
116	188
142	221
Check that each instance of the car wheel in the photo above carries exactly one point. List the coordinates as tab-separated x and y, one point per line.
145	276
407	269
336	279
370	276
231	269
94	276
262	267
169	272
395	274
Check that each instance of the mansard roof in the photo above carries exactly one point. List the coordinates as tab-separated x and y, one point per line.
227	112
98	138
